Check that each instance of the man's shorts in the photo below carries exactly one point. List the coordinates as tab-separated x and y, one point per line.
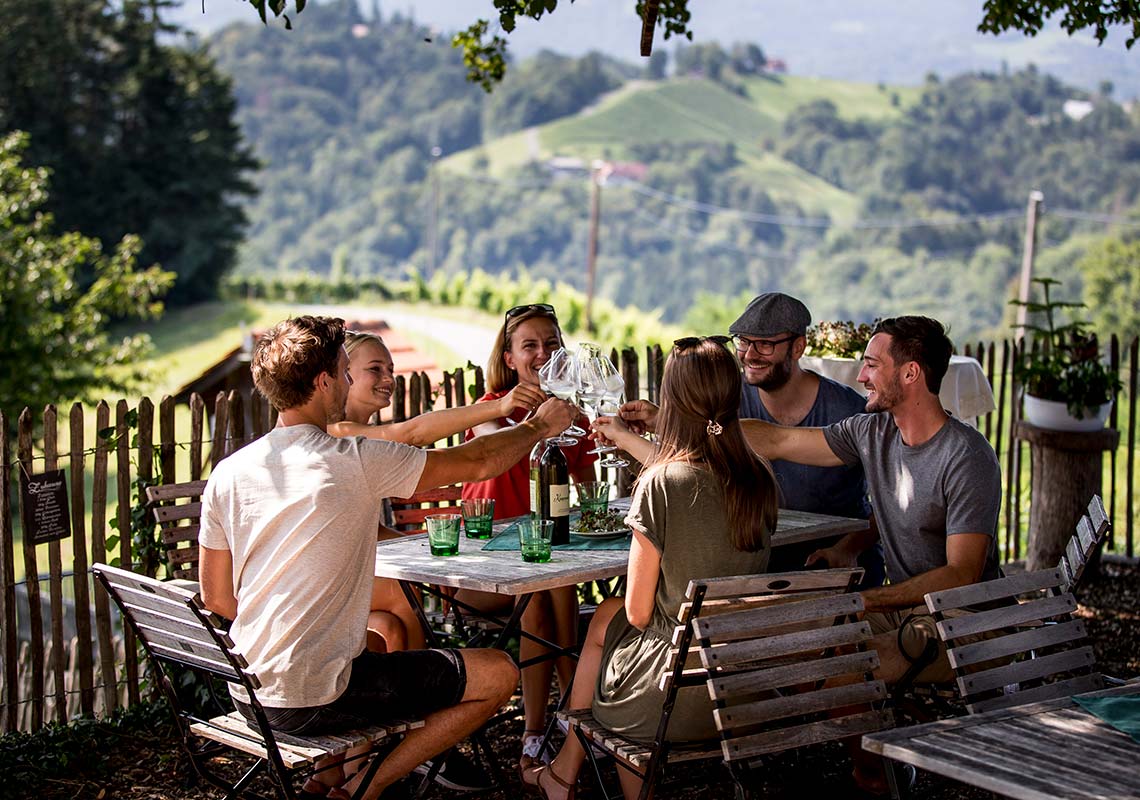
913	628
383	687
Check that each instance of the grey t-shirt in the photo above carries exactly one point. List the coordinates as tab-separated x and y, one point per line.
947	485
824	490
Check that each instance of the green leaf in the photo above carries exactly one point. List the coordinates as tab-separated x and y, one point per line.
111	543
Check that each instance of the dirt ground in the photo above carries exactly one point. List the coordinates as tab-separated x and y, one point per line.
146	764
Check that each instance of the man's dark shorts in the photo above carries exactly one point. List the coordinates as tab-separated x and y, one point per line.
383	687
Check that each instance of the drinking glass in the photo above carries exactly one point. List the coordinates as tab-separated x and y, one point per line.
534	539
478	517
594	375
608	386
593	496
443	533
559	377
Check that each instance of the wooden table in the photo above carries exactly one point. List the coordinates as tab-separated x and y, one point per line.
409	560
1039	751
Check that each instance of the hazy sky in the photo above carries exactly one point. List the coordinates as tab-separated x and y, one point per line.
897	41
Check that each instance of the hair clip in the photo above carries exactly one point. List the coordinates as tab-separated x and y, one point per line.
714	428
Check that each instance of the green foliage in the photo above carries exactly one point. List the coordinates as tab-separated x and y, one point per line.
1066	366
1029	16
78	750
54	341
843	339
139	136
1111	272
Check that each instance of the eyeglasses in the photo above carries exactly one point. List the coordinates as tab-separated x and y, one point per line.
541	308
686	342
764	347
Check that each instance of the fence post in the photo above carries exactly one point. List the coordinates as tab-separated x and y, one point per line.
237	422
84	661
9	706
400	399
55	573
126	556
99	553
1129	498
167	441
221	422
197	426
145	476
32	582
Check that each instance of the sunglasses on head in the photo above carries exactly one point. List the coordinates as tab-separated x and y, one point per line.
692	341
541	308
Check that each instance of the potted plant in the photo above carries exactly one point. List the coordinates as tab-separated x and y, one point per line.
840	344
1067	386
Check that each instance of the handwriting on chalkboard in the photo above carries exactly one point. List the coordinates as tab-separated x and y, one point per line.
45	510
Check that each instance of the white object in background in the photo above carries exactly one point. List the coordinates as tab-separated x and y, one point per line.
1054	415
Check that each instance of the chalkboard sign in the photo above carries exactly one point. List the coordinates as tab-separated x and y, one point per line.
46	517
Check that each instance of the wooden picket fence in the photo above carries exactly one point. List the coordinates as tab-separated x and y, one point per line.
65	653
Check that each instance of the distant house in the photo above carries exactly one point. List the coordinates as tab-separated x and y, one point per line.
776	65
567	167
1077	109
628	170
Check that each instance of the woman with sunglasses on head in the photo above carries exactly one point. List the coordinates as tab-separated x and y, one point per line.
527	337
704	506
392	624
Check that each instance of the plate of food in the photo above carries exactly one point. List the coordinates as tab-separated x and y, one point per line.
600	525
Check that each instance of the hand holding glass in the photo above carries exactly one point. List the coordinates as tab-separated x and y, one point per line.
559	377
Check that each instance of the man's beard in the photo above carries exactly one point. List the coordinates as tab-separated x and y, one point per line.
886	397
779	373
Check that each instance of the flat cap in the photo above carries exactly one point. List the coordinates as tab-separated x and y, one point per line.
771	314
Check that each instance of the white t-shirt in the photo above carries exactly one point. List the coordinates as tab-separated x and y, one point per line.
298	509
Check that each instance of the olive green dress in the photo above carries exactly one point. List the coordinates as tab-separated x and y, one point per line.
681	510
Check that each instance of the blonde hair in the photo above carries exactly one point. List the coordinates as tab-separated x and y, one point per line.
699	424
499	376
355	339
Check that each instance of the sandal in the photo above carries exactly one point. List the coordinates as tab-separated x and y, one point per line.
532	780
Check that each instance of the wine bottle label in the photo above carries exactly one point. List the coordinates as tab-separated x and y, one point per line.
535	504
560	500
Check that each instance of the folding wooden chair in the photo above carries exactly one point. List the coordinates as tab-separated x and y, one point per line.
178	633
1082	549
410	512
179	523
1028	649
740	627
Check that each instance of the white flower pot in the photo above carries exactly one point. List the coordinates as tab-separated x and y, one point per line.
1054	415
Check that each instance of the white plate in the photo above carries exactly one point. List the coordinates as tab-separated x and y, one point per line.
603	534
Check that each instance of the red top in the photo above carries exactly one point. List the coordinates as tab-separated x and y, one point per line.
511	490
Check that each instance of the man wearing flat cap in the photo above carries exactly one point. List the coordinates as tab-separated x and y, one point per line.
770	337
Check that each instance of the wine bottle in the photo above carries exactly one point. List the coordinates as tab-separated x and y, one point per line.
550	489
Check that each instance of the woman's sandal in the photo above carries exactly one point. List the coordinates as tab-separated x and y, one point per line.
532	781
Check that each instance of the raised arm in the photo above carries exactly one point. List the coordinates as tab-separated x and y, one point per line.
800	445
614	430
485	457
425	429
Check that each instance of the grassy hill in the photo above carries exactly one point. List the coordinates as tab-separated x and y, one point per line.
698	110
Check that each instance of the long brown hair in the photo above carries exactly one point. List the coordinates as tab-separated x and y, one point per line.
500	377
699	423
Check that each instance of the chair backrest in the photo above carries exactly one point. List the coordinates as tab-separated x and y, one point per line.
410	512
178	524
1091	530
770	643
1022	646
174	626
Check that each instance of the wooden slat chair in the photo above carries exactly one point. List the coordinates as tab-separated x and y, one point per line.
410	512
178	524
178	633
734	631
1026	658
1082	548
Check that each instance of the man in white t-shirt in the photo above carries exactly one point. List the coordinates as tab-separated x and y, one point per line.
287	551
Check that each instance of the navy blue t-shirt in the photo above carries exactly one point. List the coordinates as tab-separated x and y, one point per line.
841	491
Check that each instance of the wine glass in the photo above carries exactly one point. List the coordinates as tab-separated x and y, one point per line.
559	377
592	383
611	387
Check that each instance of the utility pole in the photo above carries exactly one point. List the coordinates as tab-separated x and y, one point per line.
598	173
1031	211
433	229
